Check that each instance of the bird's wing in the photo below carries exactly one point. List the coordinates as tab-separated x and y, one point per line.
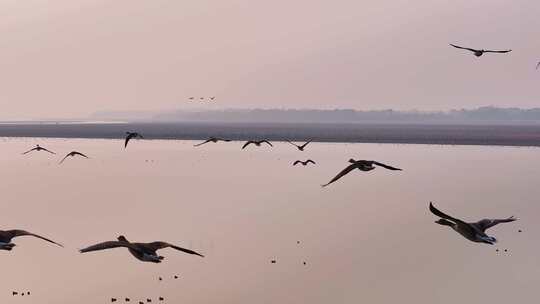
105	245
304	145
247	144
292	143
204	142
440	214
48	151
491	51
296	162
463	48
29	151
266	141
161	245
79	153
130	136
488	223
64	158
342	173
16	233
386	166
310	161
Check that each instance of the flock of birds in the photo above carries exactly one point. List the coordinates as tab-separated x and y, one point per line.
212	98
147	252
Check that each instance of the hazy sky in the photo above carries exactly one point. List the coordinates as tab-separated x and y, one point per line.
67	58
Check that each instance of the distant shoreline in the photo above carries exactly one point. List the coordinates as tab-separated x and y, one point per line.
436	134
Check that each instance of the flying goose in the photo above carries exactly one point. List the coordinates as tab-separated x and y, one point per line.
38	148
131	135
301	148
72	154
212	140
363	165
145	252
472	231
303	162
256	142
479	53
7	235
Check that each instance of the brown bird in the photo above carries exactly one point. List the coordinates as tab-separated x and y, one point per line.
256	143
475	232
212	140
145	252
7	235
479	53
38	148
305	163
301	147
362	165
72	154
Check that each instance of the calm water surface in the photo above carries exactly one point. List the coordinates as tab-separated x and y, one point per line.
368	238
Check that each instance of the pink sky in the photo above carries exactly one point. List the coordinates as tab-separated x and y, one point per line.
69	58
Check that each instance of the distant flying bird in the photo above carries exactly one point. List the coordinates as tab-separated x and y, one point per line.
479	53
72	154
38	148
213	97
145	252
113	299
191	98
303	162
302	147
7	235
472	231
131	135
257	143
201	98
212	140
363	165
538	65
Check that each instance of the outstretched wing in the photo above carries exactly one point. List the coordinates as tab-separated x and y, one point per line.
29	151
304	145
105	245
16	233
64	158
130	136
161	245
48	151
204	142
247	144
491	51
310	161
463	48
79	153
296	162
488	223
440	214
342	173
293	143
266	141
386	166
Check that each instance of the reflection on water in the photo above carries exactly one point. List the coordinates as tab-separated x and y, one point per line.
367	238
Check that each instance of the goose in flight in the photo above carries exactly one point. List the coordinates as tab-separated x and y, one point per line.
145	252
479	53
129	136
302	147
212	140
475	232
7	235
72	154
38	148
303	162
256	142
363	165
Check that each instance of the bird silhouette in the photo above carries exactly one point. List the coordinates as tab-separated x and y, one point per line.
479	53
303	162
301	147
256	143
145	252
363	165
72	154
7	235
130	135
212	140
38	148
475	232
